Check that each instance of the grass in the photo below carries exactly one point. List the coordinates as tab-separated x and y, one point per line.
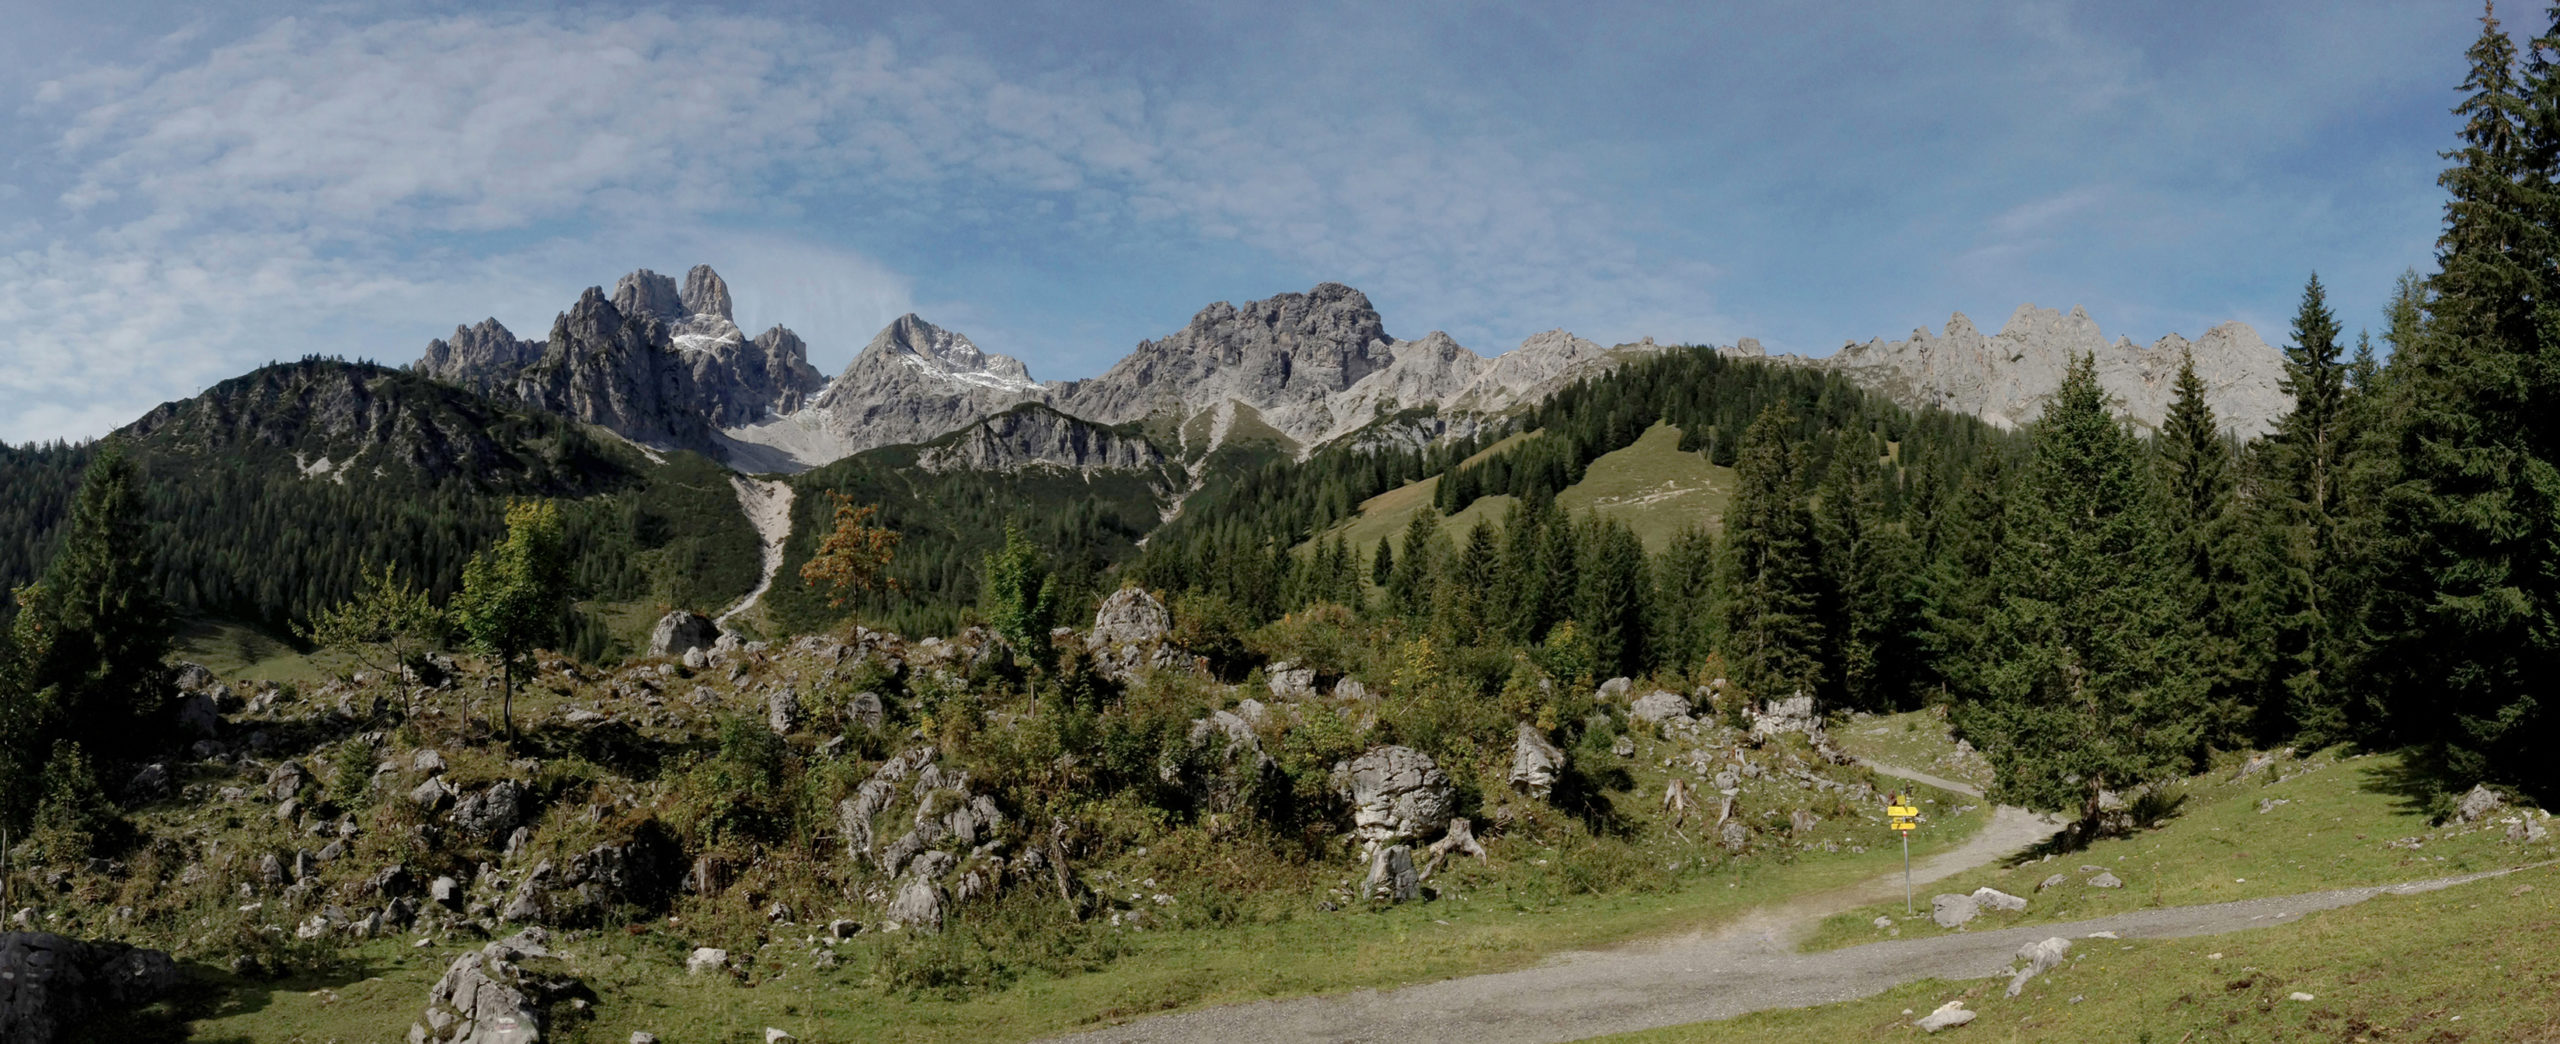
1653	487
1916	740
2343	822
237	650
1650	485
2476	962
1528	901
1491	927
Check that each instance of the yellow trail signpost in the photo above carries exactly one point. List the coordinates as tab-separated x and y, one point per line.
1906	818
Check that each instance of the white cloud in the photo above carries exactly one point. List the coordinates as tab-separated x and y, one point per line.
314	181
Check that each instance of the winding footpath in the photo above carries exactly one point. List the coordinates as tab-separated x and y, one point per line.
1748	965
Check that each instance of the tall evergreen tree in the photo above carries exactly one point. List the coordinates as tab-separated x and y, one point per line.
1953	585
94	631
1769	573
2306	458
2209	553
1867	605
1613	595
1684	599
2089	684
1382	564
2468	617
1417	571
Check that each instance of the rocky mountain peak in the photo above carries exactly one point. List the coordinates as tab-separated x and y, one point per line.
705	293
1285	351
941	351
644	292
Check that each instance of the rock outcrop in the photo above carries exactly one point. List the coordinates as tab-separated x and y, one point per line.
1034	437
1130	635
50	984
680	632
501	994
2005	378
913	383
1396	793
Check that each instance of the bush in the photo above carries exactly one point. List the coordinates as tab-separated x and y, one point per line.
74	819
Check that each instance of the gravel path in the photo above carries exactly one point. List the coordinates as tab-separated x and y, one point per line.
1749	965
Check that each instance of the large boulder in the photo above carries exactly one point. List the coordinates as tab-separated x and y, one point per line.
1395	793
1235	757
1535	762
50	984
1129	635
682	631
2478	804
501	994
1952	911
1792	714
1659	706
2041	956
492	813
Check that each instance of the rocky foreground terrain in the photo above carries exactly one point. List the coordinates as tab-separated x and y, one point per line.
771	809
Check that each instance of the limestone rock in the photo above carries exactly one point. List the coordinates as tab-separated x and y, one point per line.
1240	759
1949	1015
865	710
681	632
1391	876
1659	706
2105	880
1129	635
492	996
782	712
1995	899
2040	957
495	811
918	905
1781	716
1953	911
1395	793
2052	881
51	985
705	960
2477	804
1535	762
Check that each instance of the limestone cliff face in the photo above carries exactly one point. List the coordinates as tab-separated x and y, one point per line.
1032	437
1277	356
914	382
662	365
2005	378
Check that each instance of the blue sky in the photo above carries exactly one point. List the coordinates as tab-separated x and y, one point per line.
195	189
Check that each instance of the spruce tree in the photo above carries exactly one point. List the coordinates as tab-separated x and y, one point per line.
1868	610
1417	571
1611	599
2089	684
94	632
1684	599
2306	458
2468	615
2209	552
1772	635
1382	564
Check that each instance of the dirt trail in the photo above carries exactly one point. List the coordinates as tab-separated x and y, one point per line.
767	503
1748	965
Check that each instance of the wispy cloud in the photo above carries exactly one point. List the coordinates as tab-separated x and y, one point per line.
319	181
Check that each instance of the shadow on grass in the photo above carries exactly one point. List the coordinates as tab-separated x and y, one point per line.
2413	781
2149	811
206	991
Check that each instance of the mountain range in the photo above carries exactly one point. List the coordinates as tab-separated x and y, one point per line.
2004	378
667	367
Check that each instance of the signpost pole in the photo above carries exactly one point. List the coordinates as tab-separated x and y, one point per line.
1906	873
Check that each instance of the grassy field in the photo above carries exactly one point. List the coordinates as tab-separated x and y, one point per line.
2476	962
1653	487
2330	820
1916	740
640	977
234	650
1650	485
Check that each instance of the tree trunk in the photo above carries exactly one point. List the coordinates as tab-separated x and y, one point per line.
507	687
